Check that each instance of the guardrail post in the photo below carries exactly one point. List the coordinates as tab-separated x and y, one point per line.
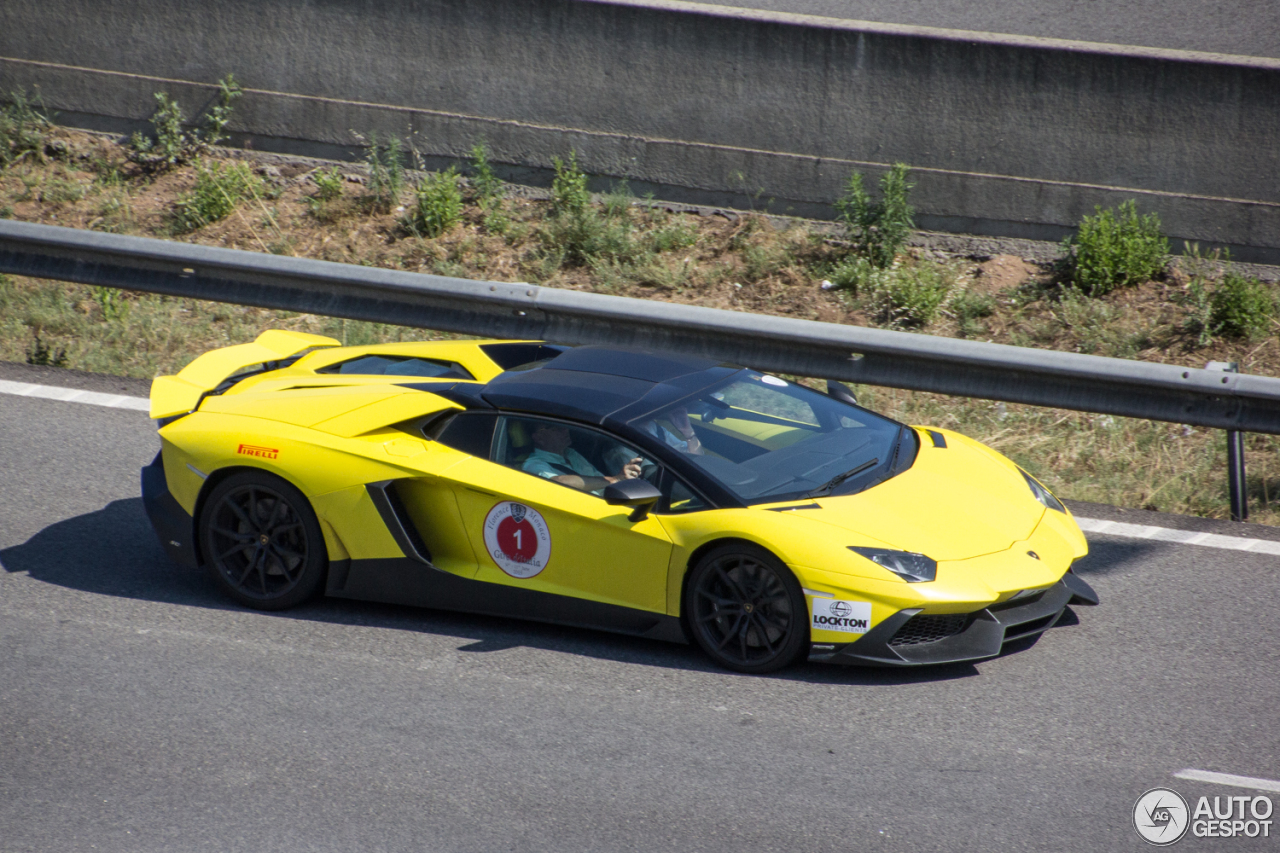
1235	456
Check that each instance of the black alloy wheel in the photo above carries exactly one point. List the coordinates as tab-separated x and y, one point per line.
746	610
262	541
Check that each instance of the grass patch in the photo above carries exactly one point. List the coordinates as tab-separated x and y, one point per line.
218	189
1242	307
143	335
907	295
437	204
1113	249
23	129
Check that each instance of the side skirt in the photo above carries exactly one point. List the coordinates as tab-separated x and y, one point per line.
408	581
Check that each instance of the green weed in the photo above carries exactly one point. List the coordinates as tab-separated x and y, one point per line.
910	296
112	302
878	229
437	204
219	115
487	186
761	260
114	214
670	236
569	193
61	190
580	233
218	189
1241	307
23	128
1196	299
851	273
969	307
328	183
1114	249
386	171
174	144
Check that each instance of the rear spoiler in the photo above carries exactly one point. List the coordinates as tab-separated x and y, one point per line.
178	395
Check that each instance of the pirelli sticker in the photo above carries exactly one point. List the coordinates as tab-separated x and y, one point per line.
845	617
259	452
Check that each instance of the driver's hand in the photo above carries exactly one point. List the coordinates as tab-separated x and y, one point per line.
631	470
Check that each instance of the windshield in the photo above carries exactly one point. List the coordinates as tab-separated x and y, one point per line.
765	439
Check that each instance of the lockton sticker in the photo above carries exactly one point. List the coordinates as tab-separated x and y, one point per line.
517	538
260	452
847	617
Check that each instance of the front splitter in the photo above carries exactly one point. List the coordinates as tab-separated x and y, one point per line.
984	635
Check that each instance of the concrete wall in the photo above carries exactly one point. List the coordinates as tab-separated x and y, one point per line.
1008	136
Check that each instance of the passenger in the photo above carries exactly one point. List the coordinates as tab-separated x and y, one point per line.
686	442
554	459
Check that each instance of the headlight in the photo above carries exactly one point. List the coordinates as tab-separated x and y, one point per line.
911	567
1042	494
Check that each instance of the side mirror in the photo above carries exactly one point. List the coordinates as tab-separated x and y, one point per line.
637	493
841	392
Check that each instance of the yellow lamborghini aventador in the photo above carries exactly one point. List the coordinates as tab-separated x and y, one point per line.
644	493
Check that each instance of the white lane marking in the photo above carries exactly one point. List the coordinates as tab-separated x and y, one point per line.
1228	779
1178	537
72	395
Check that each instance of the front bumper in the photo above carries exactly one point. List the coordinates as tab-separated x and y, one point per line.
900	641
173	526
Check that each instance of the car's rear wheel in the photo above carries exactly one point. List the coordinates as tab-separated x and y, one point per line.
262	542
746	610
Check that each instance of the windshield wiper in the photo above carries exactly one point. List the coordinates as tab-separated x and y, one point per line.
840	478
893	460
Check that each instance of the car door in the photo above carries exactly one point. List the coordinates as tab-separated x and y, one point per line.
531	531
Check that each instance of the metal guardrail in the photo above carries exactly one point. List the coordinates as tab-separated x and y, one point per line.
1213	399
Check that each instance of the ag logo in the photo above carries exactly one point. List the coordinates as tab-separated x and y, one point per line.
841	609
1160	816
517	538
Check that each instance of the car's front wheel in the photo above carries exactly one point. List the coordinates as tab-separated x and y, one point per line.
746	610
262	542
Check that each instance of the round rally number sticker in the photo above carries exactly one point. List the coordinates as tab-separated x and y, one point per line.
518	539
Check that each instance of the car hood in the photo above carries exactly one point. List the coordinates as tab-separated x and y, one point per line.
954	503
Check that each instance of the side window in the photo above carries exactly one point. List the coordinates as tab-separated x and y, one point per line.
470	432
584	459
678	497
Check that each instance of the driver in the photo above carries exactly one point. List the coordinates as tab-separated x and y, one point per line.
554	459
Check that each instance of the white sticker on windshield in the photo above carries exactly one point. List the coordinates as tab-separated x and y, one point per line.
846	617
773	380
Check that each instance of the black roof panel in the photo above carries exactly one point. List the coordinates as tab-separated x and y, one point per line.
564	393
631	364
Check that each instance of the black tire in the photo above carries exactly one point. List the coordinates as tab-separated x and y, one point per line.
746	610
262	542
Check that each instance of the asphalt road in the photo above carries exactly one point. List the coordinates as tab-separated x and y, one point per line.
1246	28
139	711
